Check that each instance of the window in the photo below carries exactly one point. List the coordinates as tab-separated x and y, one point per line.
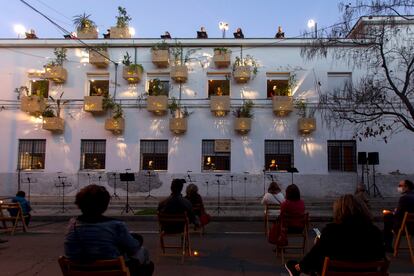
93	154
98	87
31	154
219	87
39	88
154	155
278	155
216	155
278	84
158	87
338	83
342	155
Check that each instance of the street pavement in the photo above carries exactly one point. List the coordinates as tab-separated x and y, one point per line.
227	248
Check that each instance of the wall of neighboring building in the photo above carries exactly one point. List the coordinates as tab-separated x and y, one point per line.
123	151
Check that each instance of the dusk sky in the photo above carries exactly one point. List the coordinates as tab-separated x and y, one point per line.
182	18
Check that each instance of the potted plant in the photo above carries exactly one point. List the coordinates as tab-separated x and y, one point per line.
122	25
179	115
282	100
32	104
160	54
51	115
97	103
132	72
85	27
179	71
116	123
244	115
243	68
221	57
54	70
98	56
306	122
157	102
219	103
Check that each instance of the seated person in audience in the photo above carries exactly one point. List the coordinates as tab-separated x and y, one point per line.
361	194
238	33
166	35
108	34
177	204
293	206
393	220
26	208
274	195
280	33
31	34
92	236
351	237
195	199
202	33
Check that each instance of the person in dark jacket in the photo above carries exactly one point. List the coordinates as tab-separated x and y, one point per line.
351	237
238	33
393	220
24	204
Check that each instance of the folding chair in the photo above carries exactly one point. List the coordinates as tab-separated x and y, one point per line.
303	235
174	225
407	226
5	217
198	209
347	268
270	209
115	267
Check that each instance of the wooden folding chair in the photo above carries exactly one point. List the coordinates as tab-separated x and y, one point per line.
347	268
293	237
269	209
174	225
6	217
115	267
407	225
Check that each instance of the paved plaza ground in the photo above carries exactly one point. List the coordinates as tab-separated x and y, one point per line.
228	248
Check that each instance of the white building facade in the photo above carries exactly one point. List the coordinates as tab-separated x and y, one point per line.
87	153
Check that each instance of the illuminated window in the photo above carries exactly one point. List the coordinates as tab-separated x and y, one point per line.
158	87
278	88
154	155
98	87
219	87
279	155
93	154
342	155
39	88
31	154
216	155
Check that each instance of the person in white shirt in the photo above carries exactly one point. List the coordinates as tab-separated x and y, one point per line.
274	195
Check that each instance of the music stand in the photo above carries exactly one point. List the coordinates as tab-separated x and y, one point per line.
245	185
207	188
218	194
231	183
127	177
62	184
114	177
292	171
149	175
28	180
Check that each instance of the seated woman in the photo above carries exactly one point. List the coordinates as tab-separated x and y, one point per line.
273	196
351	237
194	197
92	236
293	207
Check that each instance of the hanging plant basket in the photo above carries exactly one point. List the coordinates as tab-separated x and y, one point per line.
306	125
131	74
161	58
90	33
221	59
242	74
179	73
120	32
117	126
97	59
56	73
54	124
93	104
220	105
282	105
33	105
178	125
157	104
242	125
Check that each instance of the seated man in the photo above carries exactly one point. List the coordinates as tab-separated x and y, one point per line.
92	236
393	220
26	208
202	33
177	204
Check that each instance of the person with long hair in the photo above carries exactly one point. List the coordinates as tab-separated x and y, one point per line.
293	207
351	237
274	195
192	195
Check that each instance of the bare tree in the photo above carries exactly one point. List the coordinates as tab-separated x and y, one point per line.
381	47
